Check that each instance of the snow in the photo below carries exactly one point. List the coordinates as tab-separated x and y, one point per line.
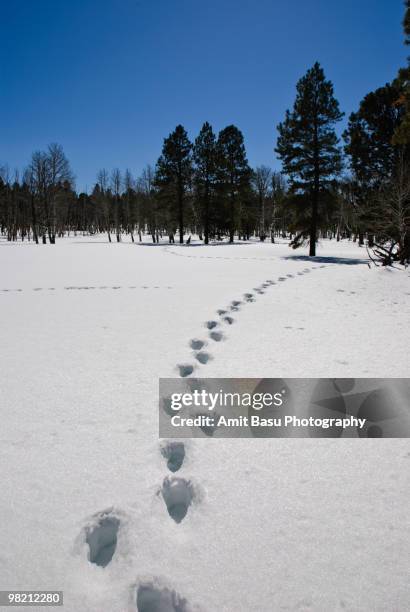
88	328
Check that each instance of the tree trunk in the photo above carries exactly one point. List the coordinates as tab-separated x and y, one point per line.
231	220
180	211
206	220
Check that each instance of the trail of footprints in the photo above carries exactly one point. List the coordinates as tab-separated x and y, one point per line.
102	535
213	327
84	288
177	493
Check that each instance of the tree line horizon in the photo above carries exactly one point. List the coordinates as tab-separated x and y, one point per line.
360	191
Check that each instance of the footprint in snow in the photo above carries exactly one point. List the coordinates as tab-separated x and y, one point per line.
102	538
185	370
178	495
196	345
211	324
249	297
229	320
221	312
174	453
216	336
203	357
151	598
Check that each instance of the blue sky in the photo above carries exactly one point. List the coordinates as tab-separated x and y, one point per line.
109	79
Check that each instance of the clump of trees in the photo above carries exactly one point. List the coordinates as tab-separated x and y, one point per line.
206	187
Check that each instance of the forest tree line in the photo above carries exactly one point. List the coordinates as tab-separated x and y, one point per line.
357	188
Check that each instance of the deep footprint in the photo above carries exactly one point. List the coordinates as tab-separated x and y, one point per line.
202	357
174	453
153	599
196	345
178	495
185	370
102	539
216	336
229	320
211	324
221	312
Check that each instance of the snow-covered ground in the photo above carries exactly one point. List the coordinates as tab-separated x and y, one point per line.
88	327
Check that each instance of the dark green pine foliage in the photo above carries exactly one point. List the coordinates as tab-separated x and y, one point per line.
174	174
373	156
402	135
234	173
205	158
308	144
369	135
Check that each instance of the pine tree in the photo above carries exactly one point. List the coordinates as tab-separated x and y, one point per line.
205	158
174	173
369	135
234	173
402	134
372	154
308	144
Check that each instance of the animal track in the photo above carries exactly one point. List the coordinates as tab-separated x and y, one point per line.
202	357
196	345
81	288
211	324
153	599
216	336
102	539
167	406
185	370
178	495
174	453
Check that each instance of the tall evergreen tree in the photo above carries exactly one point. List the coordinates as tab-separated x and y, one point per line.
406	22
370	133
308	144
402	134
234	173
372	154
174	173
205	157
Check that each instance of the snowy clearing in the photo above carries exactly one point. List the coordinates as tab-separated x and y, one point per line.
94	504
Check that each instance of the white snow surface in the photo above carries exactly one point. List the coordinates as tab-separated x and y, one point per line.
88	327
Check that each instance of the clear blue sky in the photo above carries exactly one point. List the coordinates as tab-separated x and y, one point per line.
109	79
